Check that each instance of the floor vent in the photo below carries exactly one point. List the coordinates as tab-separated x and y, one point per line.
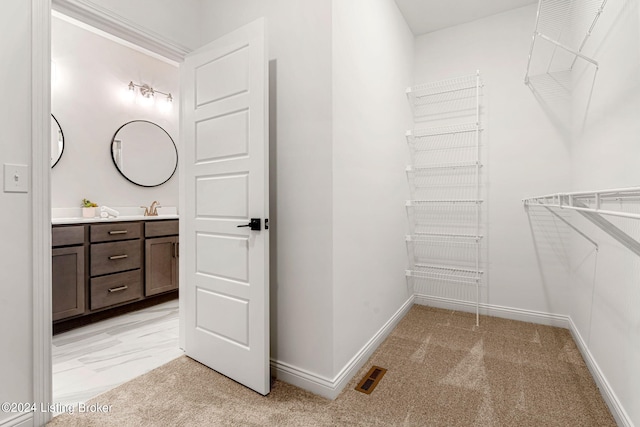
371	380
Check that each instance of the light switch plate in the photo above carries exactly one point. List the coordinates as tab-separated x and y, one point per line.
16	178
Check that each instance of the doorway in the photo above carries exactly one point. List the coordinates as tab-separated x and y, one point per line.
250	41
93	102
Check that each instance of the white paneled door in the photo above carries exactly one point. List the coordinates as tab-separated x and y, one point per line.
225	204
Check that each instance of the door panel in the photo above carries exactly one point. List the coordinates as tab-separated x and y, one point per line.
223	196
232	132
231	260
224	316
223	76
67	281
224	183
161	269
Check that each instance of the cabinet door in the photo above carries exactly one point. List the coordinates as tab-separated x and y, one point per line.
67	279
161	265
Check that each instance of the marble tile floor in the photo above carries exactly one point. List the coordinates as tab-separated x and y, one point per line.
93	359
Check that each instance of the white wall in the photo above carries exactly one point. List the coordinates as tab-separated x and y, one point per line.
89	100
605	155
16	311
526	150
300	137
372	67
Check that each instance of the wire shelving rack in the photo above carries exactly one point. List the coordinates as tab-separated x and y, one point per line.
445	210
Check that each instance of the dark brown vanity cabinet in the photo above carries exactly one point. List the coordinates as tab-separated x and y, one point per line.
98	267
68	271
161	257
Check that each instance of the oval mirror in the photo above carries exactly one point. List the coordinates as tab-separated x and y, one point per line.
57	141
144	153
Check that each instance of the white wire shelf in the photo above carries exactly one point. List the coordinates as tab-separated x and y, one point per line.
589	201
442	130
453	165
445	273
444	138
410	203
443	237
552	20
456	84
451	98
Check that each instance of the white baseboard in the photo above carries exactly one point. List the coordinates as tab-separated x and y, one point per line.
306	380
18	420
541	318
530	316
609	396
331	387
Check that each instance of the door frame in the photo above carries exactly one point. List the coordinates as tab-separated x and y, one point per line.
112	24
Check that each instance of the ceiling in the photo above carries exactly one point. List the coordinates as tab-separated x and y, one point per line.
424	16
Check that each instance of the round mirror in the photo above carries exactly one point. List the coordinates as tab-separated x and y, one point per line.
57	141
144	153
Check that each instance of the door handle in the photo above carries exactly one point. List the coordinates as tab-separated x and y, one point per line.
255	224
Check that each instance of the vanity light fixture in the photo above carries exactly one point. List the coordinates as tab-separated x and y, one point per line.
149	92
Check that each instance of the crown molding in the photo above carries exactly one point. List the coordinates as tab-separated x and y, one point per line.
105	20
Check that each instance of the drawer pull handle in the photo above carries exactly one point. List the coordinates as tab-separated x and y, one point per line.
118	289
118	256
118	232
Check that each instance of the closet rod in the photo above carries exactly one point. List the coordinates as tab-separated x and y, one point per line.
572	201
612	192
596	211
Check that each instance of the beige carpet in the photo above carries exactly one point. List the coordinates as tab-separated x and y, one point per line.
442	371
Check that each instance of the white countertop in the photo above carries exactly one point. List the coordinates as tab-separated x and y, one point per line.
81	220
74	215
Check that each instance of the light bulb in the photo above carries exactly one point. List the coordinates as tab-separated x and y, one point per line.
129	94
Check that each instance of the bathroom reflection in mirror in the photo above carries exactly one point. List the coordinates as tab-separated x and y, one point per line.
144	153
57	141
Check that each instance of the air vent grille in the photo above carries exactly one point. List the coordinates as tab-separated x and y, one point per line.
371	379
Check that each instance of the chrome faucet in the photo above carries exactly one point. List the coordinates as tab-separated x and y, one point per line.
151	210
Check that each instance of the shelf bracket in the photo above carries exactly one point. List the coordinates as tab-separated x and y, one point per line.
573	227
629	242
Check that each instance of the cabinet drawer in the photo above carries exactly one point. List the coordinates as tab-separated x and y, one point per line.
116	256
161	228
116	289
67	236
117	231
